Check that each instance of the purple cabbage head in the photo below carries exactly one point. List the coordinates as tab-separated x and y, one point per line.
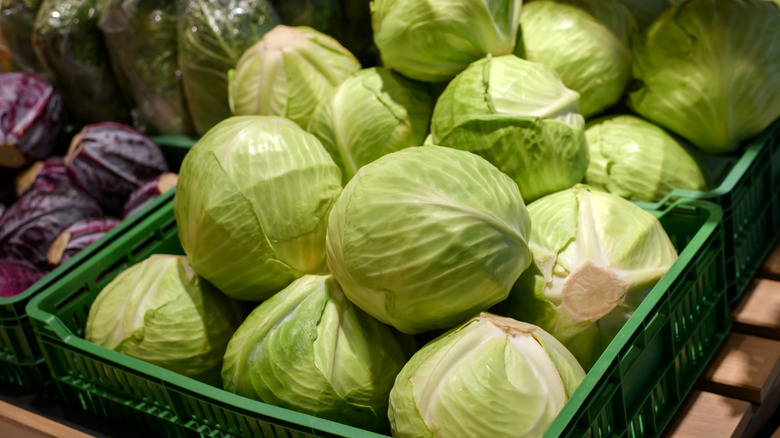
111	160
32	119
78	236
16	276
30	225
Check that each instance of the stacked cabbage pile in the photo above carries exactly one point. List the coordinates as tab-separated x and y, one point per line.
443	244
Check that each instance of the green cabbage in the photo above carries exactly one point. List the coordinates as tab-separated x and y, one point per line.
425	237
709	71
433	40
488	377
288	73
373	113
595	258
160	311
587	42
637	160
309	349
252	203
518	115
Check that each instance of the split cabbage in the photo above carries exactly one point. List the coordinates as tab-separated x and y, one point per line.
596	256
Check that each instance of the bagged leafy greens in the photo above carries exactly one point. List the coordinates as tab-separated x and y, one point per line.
17	18
70	46
212	37
141	36
349	21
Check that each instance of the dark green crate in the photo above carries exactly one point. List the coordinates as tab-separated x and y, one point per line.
749	194
21	361
635	386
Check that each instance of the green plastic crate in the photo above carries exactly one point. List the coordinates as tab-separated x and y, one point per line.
749	194
21	361
633	389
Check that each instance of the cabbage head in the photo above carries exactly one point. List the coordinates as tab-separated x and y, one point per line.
489	377
160	311
288	73
425	237
252	203
309	349
638	160
709	71
596	256
518	115
433	40
587	42
373	113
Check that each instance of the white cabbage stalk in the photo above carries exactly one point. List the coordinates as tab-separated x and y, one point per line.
491	376
596	257
288	73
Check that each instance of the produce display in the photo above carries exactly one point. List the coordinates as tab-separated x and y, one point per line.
432	206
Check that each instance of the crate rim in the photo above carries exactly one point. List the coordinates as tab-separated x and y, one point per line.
252	408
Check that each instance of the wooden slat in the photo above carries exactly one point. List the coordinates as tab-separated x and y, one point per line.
21	423
746	367
709	415
758	311
771	266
